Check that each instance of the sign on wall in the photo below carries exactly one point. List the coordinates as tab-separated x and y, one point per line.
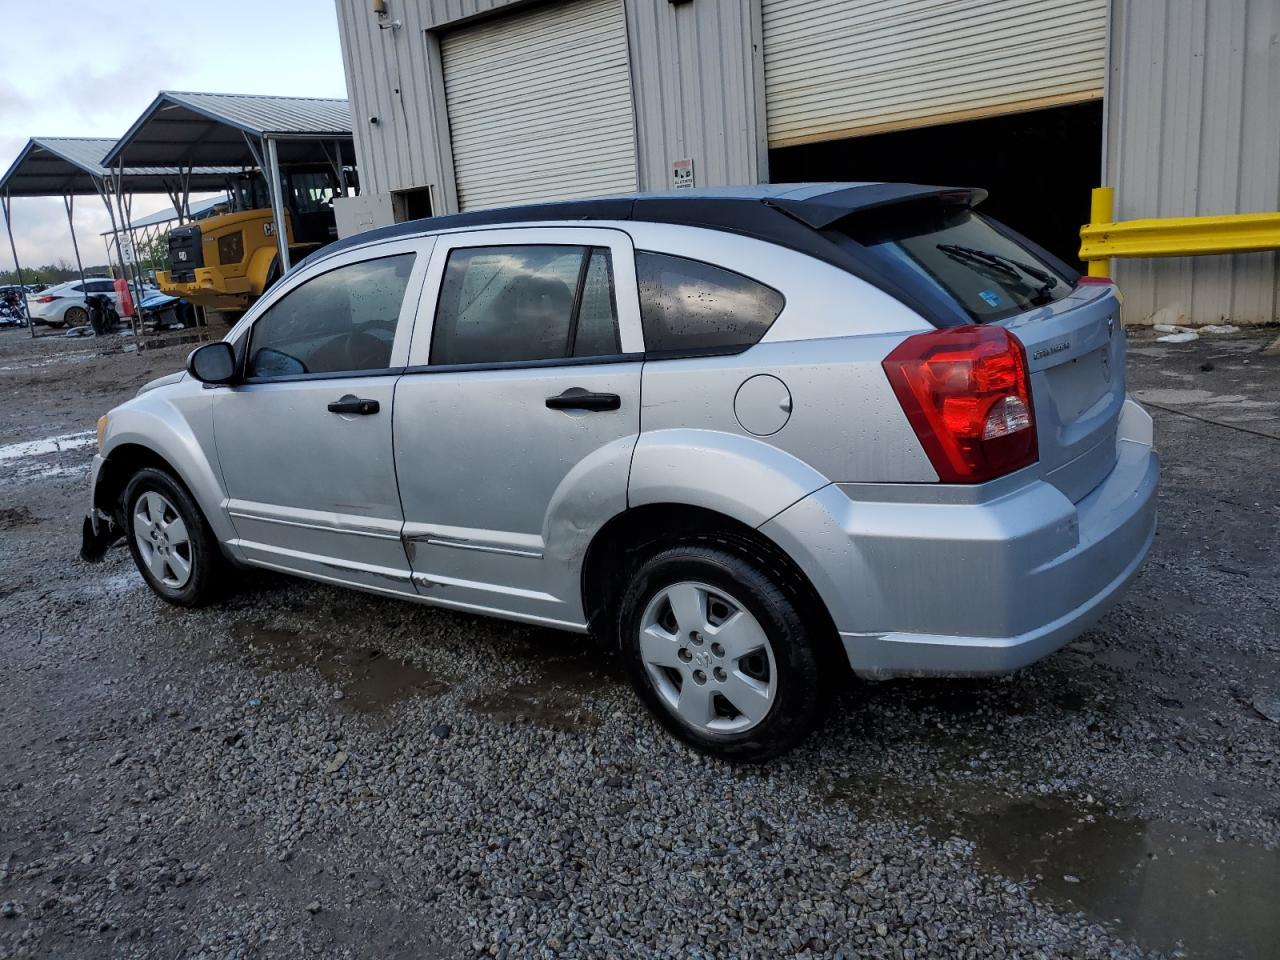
682	174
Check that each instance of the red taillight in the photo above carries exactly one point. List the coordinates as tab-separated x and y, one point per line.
1088	281
967	395
45	299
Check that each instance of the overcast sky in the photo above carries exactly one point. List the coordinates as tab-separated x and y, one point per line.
85	69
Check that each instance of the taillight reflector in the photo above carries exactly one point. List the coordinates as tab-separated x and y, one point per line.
967	394
1087	280
45	299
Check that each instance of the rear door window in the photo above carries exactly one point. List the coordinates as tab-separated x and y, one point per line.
341	321
519	303
960	254
687	306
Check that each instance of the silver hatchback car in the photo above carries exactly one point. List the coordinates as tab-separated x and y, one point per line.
754	437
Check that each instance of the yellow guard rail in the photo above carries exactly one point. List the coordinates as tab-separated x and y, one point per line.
1170	236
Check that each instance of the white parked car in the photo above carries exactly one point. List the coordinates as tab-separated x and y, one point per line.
64	306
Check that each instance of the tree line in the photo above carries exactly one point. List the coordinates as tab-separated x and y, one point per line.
52	273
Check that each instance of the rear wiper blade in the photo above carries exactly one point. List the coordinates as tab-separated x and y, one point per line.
960	252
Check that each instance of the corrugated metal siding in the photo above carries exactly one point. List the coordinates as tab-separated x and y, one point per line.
694	76
1194	129
262	114
694	70
540	105
836	68
389	77
449	13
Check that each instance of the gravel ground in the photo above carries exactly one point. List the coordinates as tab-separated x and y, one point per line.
305	771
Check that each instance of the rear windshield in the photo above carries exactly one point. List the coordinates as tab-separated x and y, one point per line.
962	256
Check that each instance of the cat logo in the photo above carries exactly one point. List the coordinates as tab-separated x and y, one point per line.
269	229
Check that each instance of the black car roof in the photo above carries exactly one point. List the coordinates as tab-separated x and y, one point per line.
791	215
761	210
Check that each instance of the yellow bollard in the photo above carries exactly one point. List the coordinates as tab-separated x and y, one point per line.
1100	211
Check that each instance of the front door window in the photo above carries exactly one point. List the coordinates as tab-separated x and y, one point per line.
343	321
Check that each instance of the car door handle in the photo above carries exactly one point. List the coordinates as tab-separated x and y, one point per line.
575	398
353	404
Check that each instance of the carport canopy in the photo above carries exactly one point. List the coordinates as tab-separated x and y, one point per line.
74	166
210	129
68	167
182	129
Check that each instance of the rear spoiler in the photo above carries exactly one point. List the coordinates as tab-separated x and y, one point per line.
828	208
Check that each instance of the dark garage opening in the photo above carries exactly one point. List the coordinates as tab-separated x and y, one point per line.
1038	166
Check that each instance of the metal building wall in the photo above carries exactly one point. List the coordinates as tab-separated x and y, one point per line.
388	78
697	70
1193	128
696	75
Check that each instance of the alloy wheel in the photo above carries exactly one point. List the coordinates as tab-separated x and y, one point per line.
708	657
162	539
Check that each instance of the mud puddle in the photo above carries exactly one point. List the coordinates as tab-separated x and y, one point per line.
11	517
369	679
562	673
1167	886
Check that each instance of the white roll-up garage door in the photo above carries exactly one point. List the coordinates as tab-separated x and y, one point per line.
540	105
841	68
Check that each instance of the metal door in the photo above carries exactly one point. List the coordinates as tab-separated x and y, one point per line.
540	105
837	69
507	468
306	456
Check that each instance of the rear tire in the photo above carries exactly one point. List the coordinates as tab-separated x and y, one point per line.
170	540
76	316
719	651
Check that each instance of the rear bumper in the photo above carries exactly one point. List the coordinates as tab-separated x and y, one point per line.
985	586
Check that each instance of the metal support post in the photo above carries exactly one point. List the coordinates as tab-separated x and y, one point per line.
342	169
1101	210
105	193
132	268
125	203
6	201
69	202
277	205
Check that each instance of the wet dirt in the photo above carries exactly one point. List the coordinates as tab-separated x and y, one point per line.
369	680
563	673
160	342
11	517
1166	885
1139	761
1170	887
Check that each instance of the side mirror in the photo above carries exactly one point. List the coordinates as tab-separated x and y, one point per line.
213	363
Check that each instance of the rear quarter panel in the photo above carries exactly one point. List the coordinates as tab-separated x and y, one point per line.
826	346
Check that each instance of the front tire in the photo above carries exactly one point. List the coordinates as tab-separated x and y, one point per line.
719	651
171	543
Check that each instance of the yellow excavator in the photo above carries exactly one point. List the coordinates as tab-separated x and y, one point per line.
228	260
